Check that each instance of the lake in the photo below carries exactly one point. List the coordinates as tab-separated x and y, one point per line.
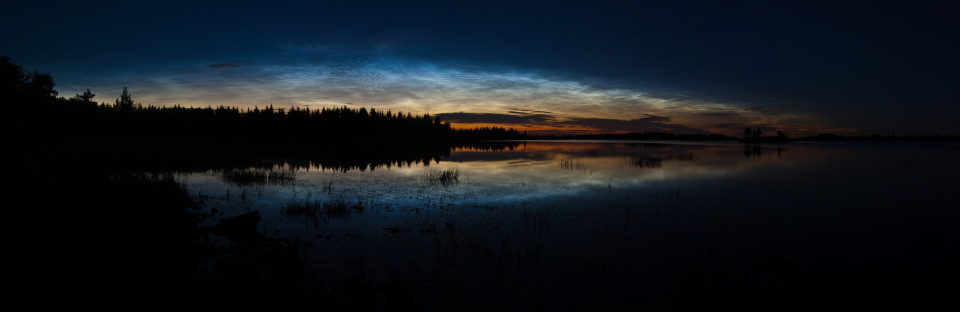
609	225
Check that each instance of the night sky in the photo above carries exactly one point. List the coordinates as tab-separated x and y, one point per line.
598	66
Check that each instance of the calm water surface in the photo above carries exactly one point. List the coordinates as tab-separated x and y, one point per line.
612	224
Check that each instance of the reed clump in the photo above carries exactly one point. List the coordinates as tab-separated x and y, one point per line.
442	176
572	164
244	177
313	208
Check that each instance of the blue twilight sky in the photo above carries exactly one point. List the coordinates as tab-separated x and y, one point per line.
553	66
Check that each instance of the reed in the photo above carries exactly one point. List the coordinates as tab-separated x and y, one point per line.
442	176
314	208
244	177
572	164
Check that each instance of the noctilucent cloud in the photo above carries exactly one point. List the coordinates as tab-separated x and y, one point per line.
548	67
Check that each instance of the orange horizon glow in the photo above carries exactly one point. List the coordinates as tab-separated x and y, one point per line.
528	128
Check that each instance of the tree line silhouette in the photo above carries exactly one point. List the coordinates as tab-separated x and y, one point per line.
343	126
44	119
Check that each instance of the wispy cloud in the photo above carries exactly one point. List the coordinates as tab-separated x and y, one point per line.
312	74
524	119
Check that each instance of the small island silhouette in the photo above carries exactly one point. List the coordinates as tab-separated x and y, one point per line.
753	136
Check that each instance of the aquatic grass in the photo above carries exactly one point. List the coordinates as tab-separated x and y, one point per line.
328	187
281	176
336	209
639	161
242	177
302	208
535	221
644	161
442	176
572	164
313	209
245	177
